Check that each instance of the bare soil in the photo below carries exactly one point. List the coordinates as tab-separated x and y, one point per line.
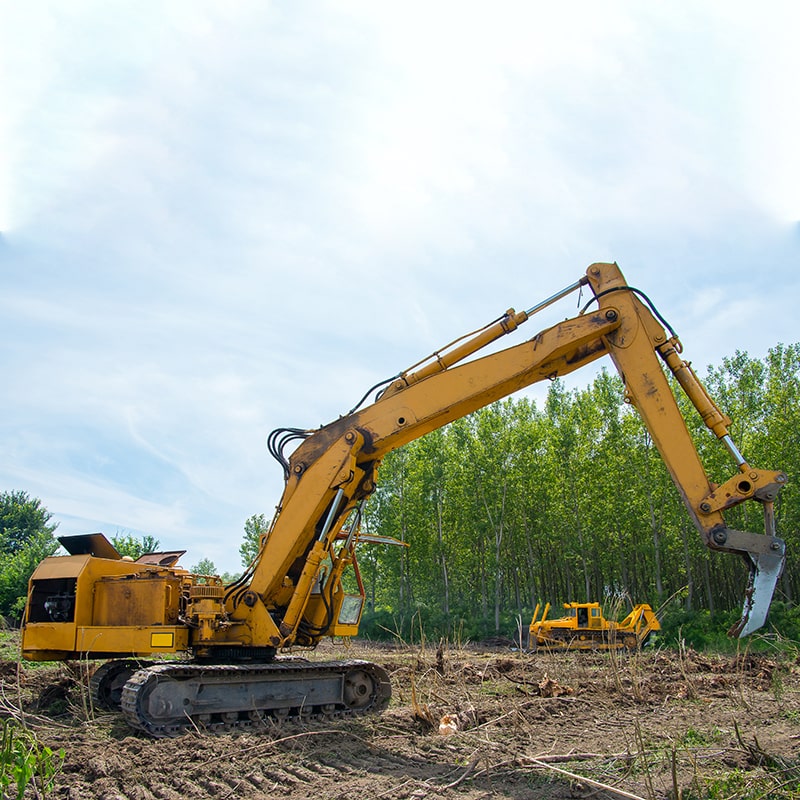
467	722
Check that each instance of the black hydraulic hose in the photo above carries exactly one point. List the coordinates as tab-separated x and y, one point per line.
370	391
644	297
277	441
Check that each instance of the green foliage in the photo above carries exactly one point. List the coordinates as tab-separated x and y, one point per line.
204	567
24	762
26	537
428	622
784	622
695	738
515	505
16	569
21	519
744	785
702	630
698	629
254	528
133	546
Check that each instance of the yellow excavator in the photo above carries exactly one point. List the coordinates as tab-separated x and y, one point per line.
583	627
92	604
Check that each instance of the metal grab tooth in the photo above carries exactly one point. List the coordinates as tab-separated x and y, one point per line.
765	570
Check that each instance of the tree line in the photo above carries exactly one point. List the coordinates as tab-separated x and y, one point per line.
516	505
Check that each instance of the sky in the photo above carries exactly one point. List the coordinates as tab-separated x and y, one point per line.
220	219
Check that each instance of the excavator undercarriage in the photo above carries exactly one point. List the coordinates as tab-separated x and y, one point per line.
170	699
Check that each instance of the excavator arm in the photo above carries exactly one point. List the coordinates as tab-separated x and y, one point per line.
292	592
632	347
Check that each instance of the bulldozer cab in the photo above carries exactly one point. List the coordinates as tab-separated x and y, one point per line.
586	615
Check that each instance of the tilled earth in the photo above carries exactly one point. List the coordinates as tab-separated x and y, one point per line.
471	722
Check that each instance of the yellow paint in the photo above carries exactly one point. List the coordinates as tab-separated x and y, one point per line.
162	639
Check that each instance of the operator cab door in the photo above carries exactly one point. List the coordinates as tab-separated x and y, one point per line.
583	617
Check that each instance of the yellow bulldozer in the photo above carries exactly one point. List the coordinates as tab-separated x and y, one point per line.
584	627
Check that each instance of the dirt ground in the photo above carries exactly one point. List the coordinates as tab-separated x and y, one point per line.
471	722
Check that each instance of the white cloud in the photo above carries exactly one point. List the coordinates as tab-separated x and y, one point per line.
222	219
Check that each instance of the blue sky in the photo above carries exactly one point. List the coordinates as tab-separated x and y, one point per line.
218	219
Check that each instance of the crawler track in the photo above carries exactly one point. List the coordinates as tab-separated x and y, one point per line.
170	699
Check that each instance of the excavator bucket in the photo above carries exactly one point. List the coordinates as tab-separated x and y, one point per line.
765	569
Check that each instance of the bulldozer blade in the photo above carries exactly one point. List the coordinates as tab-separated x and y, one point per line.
765	569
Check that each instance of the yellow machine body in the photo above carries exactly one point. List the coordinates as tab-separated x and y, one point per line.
583	627
81	604
104	606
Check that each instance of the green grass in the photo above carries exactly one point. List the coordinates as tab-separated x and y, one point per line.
694	738
24	762
743	785
9	645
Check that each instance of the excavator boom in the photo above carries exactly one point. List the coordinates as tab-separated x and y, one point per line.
335	467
